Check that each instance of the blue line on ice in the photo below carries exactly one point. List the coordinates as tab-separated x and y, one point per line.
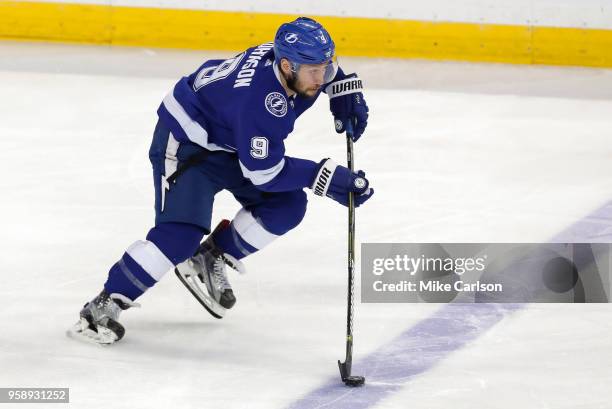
424	345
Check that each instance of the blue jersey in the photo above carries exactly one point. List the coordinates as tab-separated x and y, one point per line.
239	105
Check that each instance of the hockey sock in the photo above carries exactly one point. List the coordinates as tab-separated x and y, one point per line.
244	236
145	262
230	242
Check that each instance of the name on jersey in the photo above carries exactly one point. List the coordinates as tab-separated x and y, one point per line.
247	71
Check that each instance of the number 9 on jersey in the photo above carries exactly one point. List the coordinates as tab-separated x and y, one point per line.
259	147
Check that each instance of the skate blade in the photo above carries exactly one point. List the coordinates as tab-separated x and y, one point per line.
190	279
81	332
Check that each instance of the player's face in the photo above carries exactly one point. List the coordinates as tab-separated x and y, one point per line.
310	78
307	80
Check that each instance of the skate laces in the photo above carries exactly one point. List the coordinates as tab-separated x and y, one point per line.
218	259
234	263
103	306
110	305
220	274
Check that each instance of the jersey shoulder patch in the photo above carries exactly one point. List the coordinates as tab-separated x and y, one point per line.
276	104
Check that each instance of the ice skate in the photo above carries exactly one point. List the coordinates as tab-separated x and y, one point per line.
205	275
98	321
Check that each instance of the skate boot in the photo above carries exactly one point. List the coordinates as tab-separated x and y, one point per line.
99	319
205	275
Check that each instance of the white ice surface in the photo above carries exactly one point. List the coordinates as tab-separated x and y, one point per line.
456	153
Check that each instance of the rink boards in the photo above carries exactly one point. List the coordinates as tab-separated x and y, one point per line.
588	43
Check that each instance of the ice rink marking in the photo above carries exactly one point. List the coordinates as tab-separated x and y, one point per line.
423	346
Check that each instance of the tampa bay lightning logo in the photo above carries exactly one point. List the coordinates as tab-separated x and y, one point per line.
276	104
291	38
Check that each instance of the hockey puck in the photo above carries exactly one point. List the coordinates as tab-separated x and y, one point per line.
354	380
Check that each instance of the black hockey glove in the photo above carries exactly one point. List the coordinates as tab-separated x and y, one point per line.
336	181
346	103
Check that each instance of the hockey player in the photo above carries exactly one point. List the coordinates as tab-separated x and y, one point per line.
223	128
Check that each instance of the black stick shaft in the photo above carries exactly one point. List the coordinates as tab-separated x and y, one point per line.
345	368
351	257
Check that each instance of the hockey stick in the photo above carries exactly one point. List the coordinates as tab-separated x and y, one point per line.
345	367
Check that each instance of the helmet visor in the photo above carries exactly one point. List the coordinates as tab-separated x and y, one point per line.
319	73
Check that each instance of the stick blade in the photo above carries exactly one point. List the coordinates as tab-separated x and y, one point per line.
354	380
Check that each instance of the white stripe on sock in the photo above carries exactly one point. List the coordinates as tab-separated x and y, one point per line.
251	231
150	258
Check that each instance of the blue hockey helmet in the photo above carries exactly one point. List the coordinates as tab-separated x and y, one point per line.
304	41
